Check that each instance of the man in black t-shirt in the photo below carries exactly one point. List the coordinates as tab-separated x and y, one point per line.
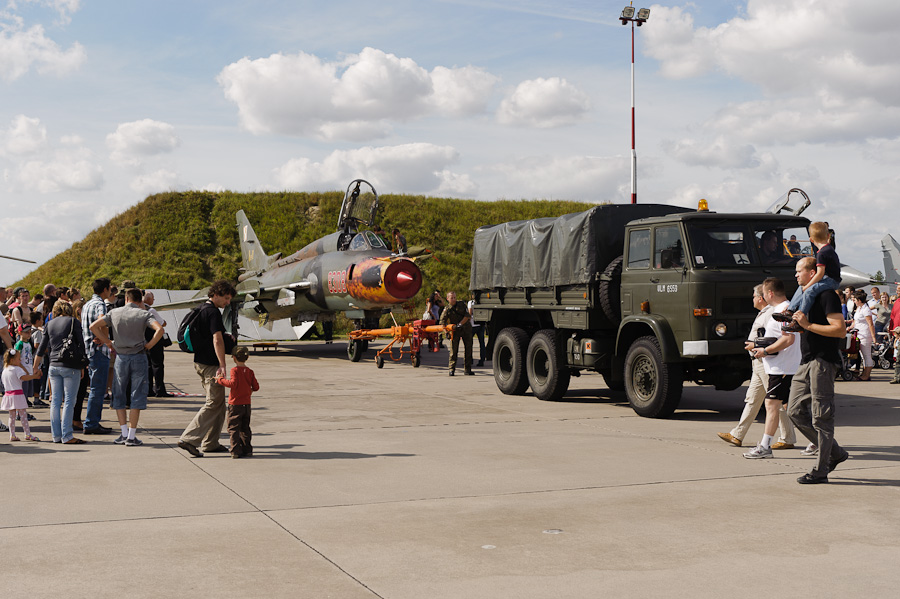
811	402
209	361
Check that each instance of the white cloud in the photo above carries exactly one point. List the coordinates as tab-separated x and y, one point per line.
811	119
826	67
132	142
544	103
409	168
462	91
720	153
68	170
21	49
581	178
357	98
157	182
25	135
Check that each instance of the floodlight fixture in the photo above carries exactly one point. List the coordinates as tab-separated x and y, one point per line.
643	14
627	14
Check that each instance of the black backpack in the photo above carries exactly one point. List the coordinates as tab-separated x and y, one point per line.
187	330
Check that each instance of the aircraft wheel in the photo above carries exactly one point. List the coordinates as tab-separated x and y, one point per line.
355	351
379	361
416	360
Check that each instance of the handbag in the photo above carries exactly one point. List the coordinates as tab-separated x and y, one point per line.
72	353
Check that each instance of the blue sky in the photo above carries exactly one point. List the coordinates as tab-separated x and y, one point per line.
103	103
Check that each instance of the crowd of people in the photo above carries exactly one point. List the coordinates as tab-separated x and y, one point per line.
796	350
66	365
108	350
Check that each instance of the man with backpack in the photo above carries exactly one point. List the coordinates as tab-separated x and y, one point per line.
206	332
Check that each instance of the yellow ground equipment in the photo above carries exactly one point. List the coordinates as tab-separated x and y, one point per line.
417	333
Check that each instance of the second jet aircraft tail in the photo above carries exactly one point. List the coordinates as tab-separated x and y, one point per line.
252	254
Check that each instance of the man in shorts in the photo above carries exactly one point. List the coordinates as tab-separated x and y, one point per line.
128	324
780	359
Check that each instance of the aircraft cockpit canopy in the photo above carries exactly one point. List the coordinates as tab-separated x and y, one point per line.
367	240
359	207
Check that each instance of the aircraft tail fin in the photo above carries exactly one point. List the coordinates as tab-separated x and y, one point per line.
891	250
252	254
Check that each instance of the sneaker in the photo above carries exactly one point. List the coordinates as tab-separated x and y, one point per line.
40	403
729	438
3	428
786	316
120	440
30	403
895	382
811	450
758	452
133	442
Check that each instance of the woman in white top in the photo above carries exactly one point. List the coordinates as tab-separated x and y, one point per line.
865	329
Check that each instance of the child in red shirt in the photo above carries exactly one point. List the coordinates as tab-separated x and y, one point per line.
242	383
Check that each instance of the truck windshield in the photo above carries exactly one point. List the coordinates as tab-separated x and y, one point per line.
722	245
783	245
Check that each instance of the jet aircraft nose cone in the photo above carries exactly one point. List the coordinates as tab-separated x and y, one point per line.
404	279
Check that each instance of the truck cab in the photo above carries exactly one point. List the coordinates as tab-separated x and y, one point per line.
687	281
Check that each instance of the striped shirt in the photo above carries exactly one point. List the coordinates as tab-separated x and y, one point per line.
94	308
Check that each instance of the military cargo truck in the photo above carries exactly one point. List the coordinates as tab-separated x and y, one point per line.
647	295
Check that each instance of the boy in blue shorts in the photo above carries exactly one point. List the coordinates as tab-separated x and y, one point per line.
827	277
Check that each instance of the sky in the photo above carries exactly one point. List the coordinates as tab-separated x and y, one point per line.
103	103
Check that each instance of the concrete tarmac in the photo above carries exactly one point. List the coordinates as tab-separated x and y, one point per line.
405	483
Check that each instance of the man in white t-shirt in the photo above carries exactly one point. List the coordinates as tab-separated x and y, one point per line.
781	360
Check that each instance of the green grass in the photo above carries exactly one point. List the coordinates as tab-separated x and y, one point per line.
187	240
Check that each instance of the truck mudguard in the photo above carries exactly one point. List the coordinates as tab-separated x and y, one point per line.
661	329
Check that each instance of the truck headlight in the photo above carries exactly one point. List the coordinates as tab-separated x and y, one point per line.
721	329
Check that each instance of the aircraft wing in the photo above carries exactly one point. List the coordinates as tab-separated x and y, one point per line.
202	296
19	259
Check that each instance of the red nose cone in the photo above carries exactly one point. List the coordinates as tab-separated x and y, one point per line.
403	279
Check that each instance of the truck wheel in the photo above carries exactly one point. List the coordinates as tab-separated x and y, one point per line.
653	387
509	361
609	291
545	363
355	350
416	360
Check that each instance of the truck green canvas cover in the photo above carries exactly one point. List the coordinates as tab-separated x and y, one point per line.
545	252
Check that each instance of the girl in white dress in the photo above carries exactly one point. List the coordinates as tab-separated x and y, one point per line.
14	398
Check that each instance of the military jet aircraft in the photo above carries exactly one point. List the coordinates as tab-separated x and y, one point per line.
350	270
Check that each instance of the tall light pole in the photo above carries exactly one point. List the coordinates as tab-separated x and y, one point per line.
626	17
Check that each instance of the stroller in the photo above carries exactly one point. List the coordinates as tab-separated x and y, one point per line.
849	353
883	351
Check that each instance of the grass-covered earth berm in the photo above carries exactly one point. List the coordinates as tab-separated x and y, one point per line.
186	240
